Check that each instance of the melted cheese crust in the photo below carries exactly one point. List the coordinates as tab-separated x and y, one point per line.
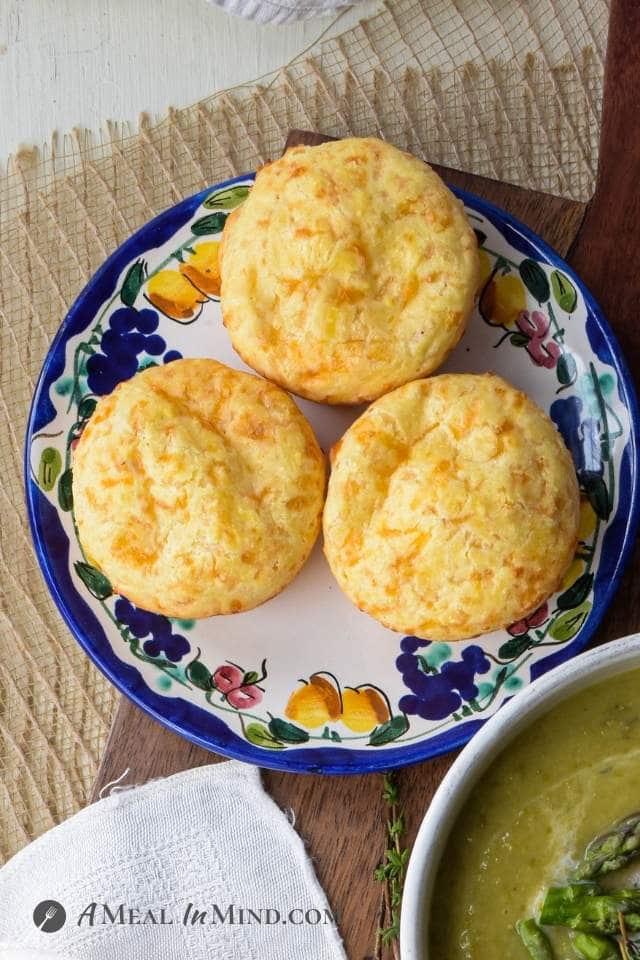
350	269
452	509
198	489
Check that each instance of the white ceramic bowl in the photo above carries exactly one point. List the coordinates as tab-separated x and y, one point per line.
477	756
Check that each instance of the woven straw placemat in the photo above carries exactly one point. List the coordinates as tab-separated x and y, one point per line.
511	89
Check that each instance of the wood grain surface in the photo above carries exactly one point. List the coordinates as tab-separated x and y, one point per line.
341	818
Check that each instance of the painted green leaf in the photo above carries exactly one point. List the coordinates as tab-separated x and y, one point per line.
513	647
564	292
501	676
288	732
49	468
519	339
198	673
95	581
213	223
577	592
566	369
389	731
65	490
597	494
227	199
424	666
86	408
250	677
135	278
569	623
259	735
535	280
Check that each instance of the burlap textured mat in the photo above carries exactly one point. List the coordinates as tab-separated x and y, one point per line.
511	89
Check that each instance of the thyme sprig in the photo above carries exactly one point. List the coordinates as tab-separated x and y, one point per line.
392	868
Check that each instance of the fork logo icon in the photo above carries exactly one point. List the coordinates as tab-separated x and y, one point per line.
49	916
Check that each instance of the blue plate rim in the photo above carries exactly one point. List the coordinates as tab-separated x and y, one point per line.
329	760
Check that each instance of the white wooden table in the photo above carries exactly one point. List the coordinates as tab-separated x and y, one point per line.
66	63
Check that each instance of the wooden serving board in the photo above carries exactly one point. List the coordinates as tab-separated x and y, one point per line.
341	819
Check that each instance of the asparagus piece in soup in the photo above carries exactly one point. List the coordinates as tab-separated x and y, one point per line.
535	940
578	908
594	946
611	850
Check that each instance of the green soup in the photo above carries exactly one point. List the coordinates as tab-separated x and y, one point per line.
561	782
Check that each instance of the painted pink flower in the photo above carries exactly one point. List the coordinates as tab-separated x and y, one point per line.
243	697
536	619
535	326
544	354
227	678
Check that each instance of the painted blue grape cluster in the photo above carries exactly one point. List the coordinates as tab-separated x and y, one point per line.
131	334
161	638
437	693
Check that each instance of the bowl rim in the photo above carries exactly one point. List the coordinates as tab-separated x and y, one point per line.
547	691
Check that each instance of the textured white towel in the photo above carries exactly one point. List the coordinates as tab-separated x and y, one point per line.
210	837
281	11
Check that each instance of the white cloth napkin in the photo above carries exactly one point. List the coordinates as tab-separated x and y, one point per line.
209	837
281	11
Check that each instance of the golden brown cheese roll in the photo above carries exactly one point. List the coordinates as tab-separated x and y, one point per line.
452	508
198	489
349	270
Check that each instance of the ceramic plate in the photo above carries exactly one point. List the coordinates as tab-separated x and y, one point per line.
306	681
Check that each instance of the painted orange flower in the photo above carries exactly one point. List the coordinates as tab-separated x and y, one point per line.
321	700
202	268
315	703
180	292
175	296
